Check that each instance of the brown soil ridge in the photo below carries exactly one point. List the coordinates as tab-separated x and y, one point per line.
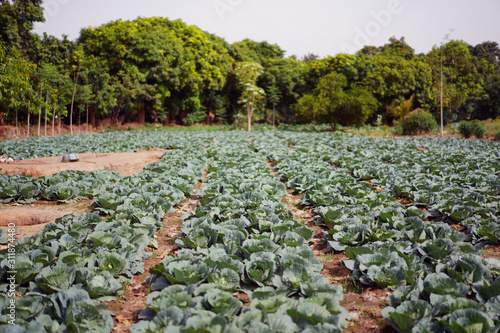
128	306
125	164
29	220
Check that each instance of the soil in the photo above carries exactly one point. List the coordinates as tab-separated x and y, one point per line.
128	306
365	307
9	132
492	251
125	164
29	220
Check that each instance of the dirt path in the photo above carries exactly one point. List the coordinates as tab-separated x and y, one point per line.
125	164
31	219
133	301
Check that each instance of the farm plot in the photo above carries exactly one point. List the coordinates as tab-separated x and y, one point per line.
241	241
244	264
440	280
111	142
61	273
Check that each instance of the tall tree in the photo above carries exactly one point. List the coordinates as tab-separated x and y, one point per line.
17	18
15	82
160	66
487	61
250	51
334	102
460	79
282	80
247	74
394	77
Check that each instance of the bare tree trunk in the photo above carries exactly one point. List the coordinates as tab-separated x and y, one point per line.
87	118
441	94
59	126
249	113
249	118
17	134
39	119
141	115
28	132
54	117
40	111
72	103
46	107
92	117
79	121
274	116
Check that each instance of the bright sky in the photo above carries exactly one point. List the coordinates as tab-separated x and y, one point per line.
322	27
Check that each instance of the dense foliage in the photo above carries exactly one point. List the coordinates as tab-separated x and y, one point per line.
161	70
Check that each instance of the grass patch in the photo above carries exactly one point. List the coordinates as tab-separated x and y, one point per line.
352	285
328	257
159	127
369	130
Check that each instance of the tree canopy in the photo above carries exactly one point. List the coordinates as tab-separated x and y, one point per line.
334	102
160	70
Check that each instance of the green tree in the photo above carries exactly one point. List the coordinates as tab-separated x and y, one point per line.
282	79
394	77
334	102
16	19
461	80
247	74
487	61
273	98
401	107
250	51
15	82
398	47
160	66
99	89
56	90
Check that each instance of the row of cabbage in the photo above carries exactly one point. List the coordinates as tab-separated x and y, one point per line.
241	240
63	186
456	179
440	281
66	271
110	142
71	185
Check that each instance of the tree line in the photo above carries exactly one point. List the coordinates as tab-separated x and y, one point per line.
161	70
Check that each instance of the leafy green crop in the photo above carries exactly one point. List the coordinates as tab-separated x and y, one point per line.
78	259
386	202
429	265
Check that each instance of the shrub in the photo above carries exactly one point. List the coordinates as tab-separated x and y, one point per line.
418	122
468	129
194	117
497	135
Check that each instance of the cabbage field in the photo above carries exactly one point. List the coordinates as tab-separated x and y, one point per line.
412	216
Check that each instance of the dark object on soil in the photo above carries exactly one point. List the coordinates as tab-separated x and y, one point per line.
70	158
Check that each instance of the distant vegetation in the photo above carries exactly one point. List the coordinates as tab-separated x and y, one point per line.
156	70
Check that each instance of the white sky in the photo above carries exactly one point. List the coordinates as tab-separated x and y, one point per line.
322	27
